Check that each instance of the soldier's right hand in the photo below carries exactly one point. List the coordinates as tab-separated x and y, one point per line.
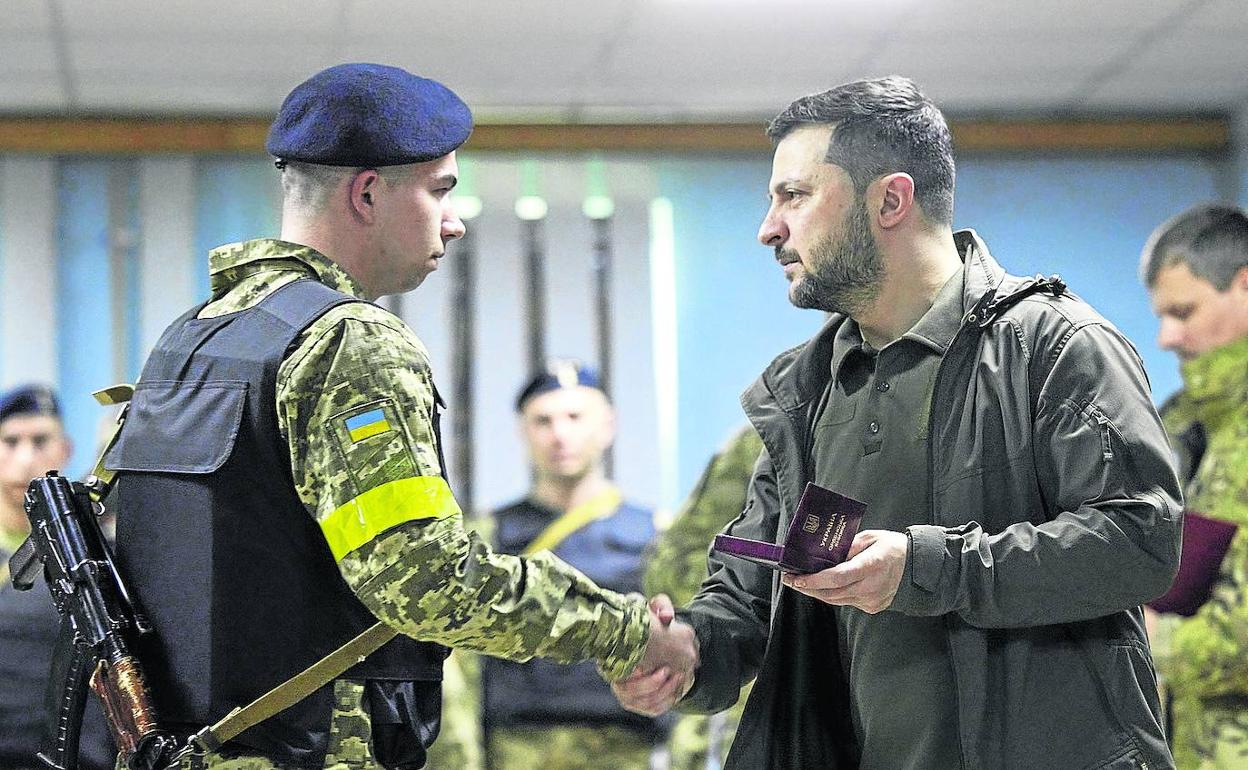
666	671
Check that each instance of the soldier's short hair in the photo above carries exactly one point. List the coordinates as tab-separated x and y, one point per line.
882	126
1210	238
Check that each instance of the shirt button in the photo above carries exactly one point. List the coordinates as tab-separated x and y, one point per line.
874	427
882	387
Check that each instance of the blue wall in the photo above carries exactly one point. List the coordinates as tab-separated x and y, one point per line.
733	313
236	199
84	340
1087	219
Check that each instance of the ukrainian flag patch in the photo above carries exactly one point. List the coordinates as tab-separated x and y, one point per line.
366	424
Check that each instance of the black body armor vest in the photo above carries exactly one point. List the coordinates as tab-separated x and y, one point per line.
541	693
234	574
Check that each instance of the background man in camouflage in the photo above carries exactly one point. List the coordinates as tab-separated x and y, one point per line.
1196	269
677	568
280	475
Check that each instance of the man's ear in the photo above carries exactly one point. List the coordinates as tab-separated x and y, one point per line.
362	193
896	200
1240	279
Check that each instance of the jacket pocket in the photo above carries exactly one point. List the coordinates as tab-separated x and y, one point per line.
1125	674
179	427
1129	759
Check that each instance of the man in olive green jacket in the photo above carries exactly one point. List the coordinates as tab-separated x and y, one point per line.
1021	497
1196	269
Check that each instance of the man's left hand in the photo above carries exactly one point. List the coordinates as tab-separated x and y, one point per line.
868	579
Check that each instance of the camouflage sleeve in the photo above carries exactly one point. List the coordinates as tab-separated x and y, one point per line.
356	403
678	563
1210	650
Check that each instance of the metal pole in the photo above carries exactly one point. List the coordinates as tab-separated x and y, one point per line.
603	258
535	299
463	312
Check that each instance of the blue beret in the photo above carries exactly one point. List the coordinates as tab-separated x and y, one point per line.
29	399
368	115
560	373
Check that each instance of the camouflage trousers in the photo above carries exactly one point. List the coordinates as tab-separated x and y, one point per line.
569	748
700	742
1216	738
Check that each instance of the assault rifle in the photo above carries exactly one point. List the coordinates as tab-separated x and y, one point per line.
99	624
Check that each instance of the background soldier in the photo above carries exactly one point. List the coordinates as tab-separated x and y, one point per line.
541	714
1196	269
280	482
32	442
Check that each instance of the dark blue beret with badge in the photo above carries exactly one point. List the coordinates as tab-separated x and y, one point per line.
368	115
560	373
29	399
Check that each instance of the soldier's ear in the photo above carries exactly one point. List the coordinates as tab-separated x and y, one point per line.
362	192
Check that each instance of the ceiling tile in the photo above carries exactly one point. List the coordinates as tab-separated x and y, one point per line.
187	60
241	95
278	20
33	94
1192	55
962	95
27	56
25	16
635	59
972	18
1170	92
1006	54
468	18
1224	16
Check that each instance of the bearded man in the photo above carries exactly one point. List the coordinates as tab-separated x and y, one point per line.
1020	497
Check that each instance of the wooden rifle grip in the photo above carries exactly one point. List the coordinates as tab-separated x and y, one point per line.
127	705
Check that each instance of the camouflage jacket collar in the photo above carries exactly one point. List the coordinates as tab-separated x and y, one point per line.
1216	383
231	263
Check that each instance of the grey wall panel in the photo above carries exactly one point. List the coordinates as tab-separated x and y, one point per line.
166	242
27	270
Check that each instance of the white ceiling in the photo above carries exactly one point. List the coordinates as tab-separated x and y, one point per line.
618	60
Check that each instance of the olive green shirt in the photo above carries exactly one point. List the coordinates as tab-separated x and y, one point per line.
870	443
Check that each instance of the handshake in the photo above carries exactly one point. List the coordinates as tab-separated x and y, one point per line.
666	670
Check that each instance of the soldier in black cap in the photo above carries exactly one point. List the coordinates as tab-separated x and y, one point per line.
280	481
32	442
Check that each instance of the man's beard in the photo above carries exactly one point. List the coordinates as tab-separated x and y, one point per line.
843	272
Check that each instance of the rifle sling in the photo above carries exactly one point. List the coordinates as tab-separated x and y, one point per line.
112	396
600	506
327	669
293	690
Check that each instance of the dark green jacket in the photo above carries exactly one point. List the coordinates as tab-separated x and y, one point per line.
1054	511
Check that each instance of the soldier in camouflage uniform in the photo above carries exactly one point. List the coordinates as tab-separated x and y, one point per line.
368	164
1196	270
677	567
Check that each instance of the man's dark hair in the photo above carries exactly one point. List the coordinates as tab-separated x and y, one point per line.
1211	239
882	126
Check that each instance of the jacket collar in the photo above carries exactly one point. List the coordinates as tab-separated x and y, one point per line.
799	375
229	264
